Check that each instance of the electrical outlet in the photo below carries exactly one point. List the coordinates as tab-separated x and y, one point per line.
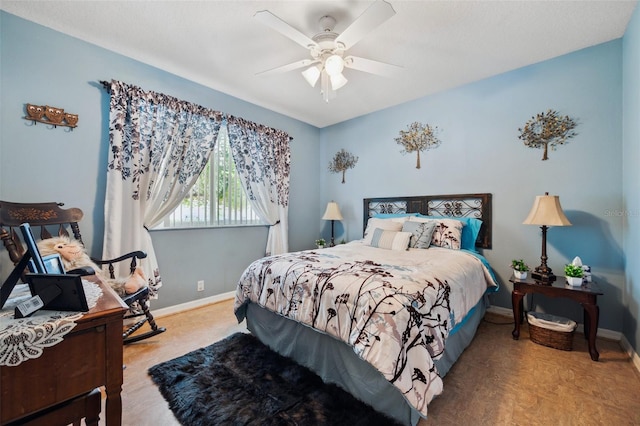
201	285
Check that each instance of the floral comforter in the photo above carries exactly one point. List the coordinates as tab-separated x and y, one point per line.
395	309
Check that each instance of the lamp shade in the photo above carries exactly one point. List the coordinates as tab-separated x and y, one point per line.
332	212
547	211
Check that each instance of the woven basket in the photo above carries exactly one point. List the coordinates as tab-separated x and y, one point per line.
554	339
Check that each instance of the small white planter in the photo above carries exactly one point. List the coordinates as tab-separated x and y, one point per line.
320	246
574	281
521	275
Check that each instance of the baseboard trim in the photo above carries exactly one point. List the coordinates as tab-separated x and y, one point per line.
626	346
187	306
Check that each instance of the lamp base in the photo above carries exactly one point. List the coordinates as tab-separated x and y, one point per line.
543	277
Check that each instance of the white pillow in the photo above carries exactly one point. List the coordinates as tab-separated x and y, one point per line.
385	224
422	219
390	240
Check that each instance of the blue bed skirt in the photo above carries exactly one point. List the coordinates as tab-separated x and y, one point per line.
336	362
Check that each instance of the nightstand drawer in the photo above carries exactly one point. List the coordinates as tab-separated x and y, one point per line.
63	371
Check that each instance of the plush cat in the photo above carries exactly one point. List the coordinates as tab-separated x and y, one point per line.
74	256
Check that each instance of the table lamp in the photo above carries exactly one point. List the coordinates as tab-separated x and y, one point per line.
546	211
332	213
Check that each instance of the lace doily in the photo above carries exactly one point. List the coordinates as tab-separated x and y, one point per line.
25	338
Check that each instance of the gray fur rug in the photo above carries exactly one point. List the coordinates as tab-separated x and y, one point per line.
240	381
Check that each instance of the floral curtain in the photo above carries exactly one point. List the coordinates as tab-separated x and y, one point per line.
263	160
158	145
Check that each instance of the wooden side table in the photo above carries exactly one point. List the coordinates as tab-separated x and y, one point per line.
90	356
586	295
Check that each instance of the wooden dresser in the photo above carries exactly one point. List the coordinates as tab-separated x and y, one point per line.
90	356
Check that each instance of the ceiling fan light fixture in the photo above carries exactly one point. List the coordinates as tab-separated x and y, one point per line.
334	65
337	81
327	48
311	74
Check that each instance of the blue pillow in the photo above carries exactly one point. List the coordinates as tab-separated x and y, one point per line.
469	232
393	215
472	228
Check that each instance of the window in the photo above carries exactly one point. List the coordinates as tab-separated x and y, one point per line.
217	198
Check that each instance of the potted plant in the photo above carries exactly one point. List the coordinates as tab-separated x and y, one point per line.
519	268
574	274
320	243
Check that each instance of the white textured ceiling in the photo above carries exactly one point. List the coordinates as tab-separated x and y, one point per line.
440	44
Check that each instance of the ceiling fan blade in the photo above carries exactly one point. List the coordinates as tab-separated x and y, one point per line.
289	67
375	15
373	67
271	20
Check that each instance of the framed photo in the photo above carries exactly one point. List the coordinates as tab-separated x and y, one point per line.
32	248
59	292
52	265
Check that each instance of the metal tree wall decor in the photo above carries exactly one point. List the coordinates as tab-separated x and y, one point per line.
547	130
342	161
418	137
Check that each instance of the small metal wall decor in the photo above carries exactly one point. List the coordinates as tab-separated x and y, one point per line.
51	115
342	161
547	130
418	137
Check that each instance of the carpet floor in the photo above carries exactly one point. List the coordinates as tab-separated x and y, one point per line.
240	381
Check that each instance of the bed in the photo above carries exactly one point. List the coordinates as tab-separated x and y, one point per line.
385	317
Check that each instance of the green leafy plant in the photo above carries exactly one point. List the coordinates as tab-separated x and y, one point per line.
519	265
573	271
321	242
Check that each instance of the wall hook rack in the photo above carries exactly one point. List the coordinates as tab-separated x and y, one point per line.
51	115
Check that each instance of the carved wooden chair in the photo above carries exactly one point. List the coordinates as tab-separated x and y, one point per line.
50	217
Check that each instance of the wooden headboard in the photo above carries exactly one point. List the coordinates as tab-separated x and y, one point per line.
455	205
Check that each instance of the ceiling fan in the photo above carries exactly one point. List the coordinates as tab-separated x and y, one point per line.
327	48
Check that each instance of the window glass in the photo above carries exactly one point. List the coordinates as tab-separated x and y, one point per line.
217	198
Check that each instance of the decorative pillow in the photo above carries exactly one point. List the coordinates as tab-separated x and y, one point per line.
421	233
386	224
390	240
447	234
470	230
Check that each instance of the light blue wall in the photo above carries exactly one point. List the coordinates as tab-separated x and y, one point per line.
631	177
39	163
481	152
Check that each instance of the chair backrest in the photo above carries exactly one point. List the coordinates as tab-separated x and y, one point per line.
48	216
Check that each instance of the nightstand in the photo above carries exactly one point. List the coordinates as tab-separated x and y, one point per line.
89	356
586	295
